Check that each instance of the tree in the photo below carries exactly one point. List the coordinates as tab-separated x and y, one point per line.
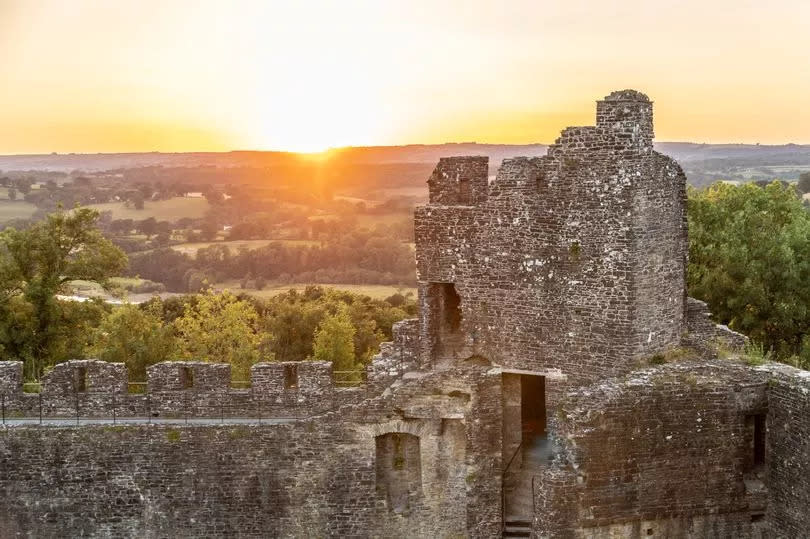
804	183
214	197
209	230
24	186
221	328
137	200
749	259
147	227
334	341
135	336
12	193
38	263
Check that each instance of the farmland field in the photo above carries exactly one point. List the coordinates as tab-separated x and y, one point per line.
15	210
372	290
192	248
369	220
162	210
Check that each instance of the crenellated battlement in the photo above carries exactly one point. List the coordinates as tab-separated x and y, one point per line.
91	388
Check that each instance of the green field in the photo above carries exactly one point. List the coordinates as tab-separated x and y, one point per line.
369	220
418	192
192	248
372	290
15	210
162	210
385	218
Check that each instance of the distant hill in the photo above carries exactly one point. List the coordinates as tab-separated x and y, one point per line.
777	154
703	162
416	153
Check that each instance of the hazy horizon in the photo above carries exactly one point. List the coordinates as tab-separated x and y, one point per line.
96	77
383	146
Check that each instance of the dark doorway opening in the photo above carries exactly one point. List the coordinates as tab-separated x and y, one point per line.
290	376
445	319
399	470
533	407
450	308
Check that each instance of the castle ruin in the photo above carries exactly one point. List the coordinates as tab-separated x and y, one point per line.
557	383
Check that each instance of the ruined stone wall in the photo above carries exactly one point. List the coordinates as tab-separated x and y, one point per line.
664	452
397	357
459	182
706	337
789	452
311	478
574	260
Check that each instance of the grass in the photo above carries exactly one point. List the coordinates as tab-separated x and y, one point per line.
15	210
416	191
755	354
162	210
671	355
373	290
369	220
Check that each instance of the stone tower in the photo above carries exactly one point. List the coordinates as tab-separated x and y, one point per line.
572	262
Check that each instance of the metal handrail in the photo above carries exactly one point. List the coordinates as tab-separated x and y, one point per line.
503	489
136	388
32	387
347	374
513	456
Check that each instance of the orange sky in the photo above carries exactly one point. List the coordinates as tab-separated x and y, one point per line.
169	75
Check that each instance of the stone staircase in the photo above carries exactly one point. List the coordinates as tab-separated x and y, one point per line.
517	527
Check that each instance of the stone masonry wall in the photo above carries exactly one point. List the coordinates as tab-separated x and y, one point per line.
704	336
575	260
311	478
789	452
661	453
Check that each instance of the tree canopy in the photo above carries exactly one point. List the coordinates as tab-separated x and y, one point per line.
804	183
36	264
749	259
135	336
334	341
219	327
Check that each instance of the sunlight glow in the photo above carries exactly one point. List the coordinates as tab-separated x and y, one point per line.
181	75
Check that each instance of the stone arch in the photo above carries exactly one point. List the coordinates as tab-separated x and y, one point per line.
417	428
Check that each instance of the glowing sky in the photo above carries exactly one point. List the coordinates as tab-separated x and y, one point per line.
166	75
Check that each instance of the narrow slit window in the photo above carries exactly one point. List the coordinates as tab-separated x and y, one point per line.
465	191
80	383
759	440
186	377
755	427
